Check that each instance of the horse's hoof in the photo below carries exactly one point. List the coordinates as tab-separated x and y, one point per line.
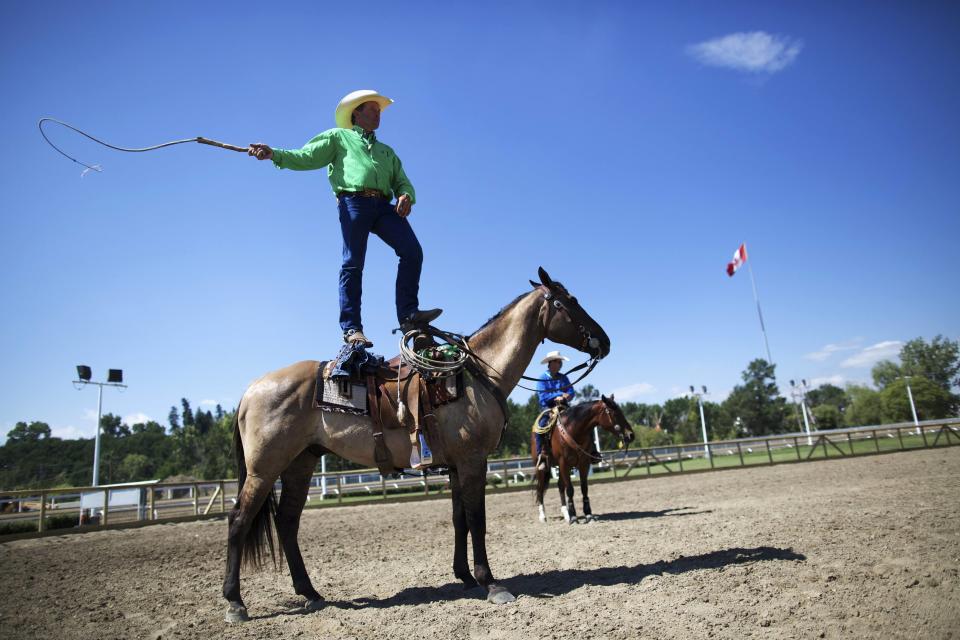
499	595
236	613
314	605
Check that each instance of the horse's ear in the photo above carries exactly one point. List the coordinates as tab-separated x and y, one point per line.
534	284
544	277
611	397
604	398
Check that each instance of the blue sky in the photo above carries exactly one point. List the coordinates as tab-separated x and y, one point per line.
628	148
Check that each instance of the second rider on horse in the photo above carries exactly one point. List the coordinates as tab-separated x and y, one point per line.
555	393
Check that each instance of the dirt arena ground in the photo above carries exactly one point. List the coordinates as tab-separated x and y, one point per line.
864	548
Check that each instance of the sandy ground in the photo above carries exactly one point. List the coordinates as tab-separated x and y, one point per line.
850	548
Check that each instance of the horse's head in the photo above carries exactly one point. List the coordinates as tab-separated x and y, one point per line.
566	322
613	420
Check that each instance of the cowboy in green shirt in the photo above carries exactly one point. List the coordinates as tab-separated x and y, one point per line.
364	173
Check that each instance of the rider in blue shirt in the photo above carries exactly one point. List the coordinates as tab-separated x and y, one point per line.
553	390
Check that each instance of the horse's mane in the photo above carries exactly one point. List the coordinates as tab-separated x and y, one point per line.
507	306
579	411
501	312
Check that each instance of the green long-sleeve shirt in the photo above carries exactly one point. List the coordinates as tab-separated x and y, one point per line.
354	159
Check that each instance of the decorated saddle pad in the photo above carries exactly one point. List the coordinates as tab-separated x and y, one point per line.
343	394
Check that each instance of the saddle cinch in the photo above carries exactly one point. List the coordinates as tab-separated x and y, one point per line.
373	391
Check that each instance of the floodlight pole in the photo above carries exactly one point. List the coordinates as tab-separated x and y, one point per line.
96	441
913	408
703	422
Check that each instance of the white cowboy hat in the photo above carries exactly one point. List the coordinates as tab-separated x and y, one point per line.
353	100
554	355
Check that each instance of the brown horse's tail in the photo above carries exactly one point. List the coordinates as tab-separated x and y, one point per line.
260	534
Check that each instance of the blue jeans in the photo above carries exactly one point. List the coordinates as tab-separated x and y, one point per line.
359	217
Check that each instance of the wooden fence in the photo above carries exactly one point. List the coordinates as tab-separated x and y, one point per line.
180	501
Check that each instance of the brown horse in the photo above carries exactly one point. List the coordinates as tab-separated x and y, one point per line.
279	435
571	447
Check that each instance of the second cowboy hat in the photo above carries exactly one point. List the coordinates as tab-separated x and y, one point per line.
353	100
554	355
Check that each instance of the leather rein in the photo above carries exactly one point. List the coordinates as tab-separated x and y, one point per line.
553	304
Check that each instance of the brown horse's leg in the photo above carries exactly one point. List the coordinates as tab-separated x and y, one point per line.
541	478
570	510
584	470
461	568
473	478
248	513
296	484
562	476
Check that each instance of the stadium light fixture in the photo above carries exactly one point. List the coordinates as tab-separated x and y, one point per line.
114	379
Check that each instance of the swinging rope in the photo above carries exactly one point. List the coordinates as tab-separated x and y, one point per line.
97	167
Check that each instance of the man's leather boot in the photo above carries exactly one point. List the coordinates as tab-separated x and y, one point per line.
419	318
356	336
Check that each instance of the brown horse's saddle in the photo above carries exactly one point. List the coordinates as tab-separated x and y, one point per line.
380	393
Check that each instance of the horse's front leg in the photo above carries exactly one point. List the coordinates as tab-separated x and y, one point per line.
461	568
567	509
584	470
473	478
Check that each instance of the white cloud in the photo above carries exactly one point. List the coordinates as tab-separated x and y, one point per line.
633	391
135	418
873	354
837	381
830	349
70	432
208	403
756	52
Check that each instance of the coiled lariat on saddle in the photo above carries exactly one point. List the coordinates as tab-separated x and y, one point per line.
554	413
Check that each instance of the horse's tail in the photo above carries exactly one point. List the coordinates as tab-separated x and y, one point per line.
260	534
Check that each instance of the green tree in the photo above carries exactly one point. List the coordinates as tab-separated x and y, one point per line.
112	426
938	361
187	414
23	432
863	406
885	372
827	394
828	416
757	402
520	417
929	398
173	418
134	467
586	393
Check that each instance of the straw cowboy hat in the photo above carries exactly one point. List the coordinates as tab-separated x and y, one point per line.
353	100
554	355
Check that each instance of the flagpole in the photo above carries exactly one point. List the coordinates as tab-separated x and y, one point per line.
756	298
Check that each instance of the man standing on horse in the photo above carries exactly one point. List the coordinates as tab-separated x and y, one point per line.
363	173
555	393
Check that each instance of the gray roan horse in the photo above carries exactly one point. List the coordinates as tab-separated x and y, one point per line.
279	434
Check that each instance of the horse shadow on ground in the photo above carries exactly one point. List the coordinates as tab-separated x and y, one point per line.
550	584
637	515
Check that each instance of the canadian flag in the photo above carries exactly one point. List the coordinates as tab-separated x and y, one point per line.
738	259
